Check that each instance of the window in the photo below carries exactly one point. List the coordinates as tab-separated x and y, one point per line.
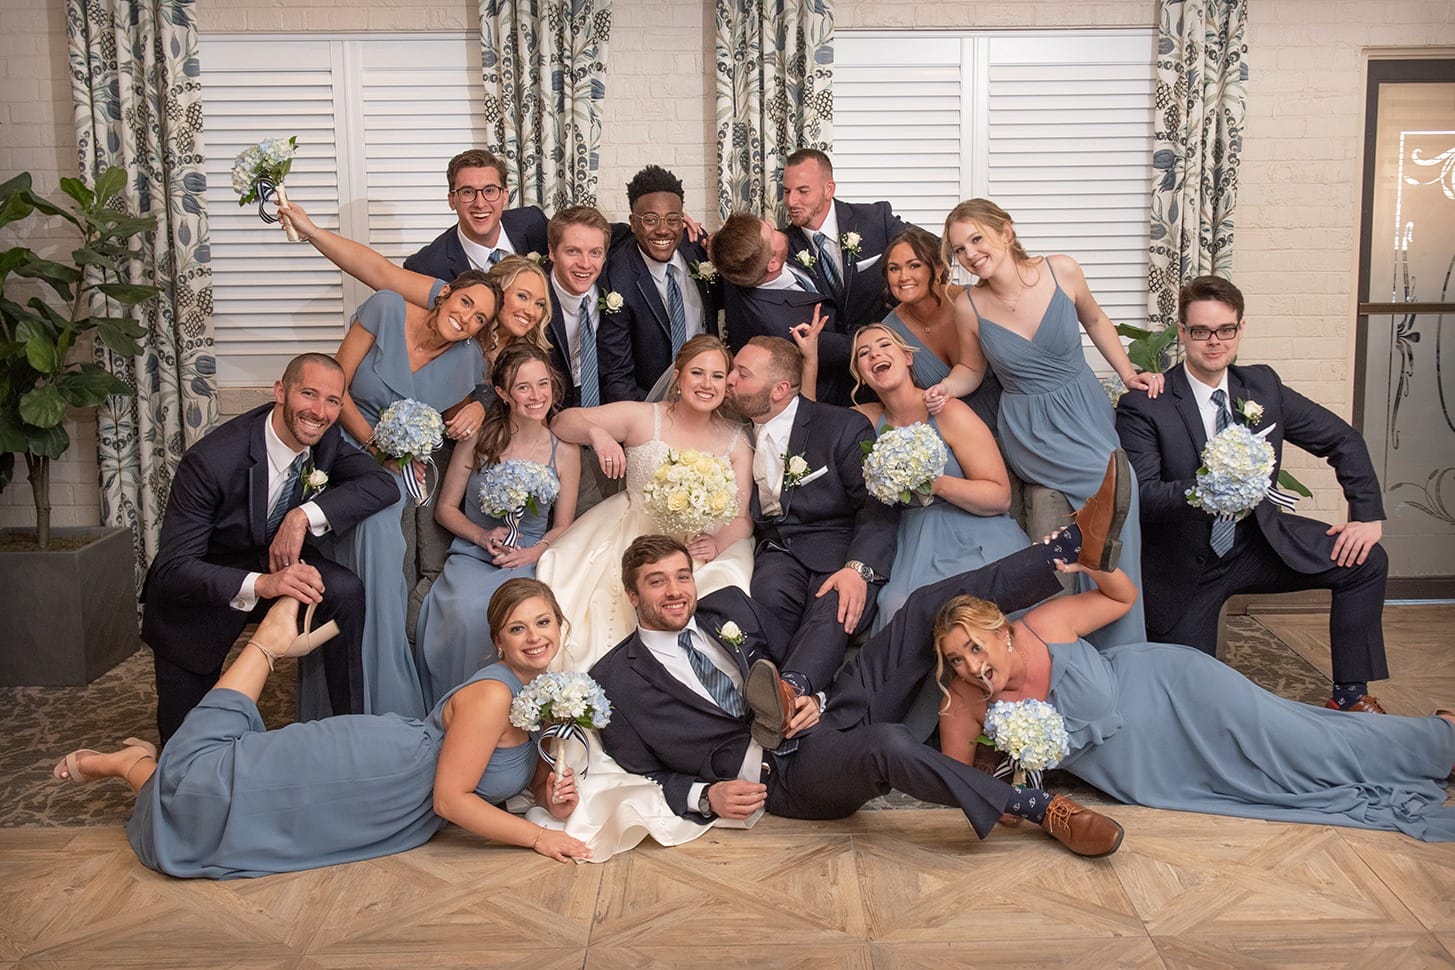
377	120
1055	126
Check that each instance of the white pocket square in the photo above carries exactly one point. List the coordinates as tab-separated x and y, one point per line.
864	264
812	476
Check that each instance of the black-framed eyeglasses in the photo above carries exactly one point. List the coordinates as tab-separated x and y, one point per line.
467	193
1226	332
651	220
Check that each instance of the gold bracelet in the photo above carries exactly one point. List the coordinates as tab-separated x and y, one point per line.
540	831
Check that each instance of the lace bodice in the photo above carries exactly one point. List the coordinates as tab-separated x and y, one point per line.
642	460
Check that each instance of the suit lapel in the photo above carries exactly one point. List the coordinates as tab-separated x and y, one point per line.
258	482
650	669
847	224
711	624
797	445
1187	407
647	286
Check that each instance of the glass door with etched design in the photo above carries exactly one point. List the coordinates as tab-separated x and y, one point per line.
1405	394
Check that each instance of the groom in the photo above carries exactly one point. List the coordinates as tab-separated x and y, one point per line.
688	709
1190	563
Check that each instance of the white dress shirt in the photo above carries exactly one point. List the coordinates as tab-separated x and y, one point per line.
691	295
478	255
772	444
830	229
570	305
280	459
786	280
1202	393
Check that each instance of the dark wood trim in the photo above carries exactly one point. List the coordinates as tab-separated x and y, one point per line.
1400	309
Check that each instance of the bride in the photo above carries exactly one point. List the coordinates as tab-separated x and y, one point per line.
583	567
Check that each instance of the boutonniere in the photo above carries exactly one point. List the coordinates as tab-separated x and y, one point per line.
730	633
610	302
1249	410
806	259
849	242
795	470
315	480
535	257
704	272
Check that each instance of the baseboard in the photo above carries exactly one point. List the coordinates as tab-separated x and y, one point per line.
1317	600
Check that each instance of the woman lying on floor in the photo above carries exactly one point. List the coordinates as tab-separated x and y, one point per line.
1170	727
230	798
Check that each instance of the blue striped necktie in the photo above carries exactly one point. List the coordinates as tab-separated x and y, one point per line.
285	497
1223	528
718	684
590	375
676	310
826	258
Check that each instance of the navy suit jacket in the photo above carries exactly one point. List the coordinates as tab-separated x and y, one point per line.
561	348
214	532
445	258
635	344
763	312
665	730
1164	439
861	300
832	519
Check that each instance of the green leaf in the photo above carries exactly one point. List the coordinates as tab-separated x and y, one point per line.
40	353
18	183
12	434
90	256
60	276
48	442
7	470
15	208
1285	480
90	385
1135	333
128	225
77	190
11	260
48	313
112	181
117	340
128	294
43	407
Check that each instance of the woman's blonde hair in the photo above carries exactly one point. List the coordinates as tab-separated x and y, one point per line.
505	273
987	215
894	336
979	619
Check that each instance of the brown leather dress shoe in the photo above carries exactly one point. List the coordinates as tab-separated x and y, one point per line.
1103	515
1368	704
772	701
1081	830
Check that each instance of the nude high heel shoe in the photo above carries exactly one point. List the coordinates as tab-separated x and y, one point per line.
305	643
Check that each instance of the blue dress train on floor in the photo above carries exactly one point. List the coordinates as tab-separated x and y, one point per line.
1057	429
375	549
940	540
230	798
453	634
1170	727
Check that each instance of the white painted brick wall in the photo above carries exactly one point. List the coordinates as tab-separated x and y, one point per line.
1298	203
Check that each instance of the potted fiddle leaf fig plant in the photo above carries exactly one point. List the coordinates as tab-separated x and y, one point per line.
46	306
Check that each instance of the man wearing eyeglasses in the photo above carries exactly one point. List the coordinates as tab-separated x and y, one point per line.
669	291
1192	563
487	231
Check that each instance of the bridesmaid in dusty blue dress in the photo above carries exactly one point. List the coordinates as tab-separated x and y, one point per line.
230	798
966	525
1170	727
915	274
1056	423
453	634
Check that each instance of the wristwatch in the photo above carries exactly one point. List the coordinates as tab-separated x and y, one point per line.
870	576
704	807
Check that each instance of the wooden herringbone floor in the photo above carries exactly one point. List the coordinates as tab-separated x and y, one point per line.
882	889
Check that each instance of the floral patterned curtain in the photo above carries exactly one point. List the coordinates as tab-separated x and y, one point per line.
545	79
135	82
775	65
1202	77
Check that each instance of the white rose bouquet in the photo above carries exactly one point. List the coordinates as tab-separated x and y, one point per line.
258	173
511	488
1237	466
903	463
563	706
407	432
691	492
1032	733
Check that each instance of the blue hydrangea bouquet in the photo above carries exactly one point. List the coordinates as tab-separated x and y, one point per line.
510	488
1237	469
1032	733
901	466
408	432
561	706
258	173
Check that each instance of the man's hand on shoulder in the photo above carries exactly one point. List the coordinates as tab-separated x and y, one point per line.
1354	542
299	580
736	799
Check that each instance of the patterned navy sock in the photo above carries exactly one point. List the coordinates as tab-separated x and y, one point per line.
1064	545
1347	695
1029	804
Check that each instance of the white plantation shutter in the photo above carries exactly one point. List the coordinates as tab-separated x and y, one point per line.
1055	126
377	120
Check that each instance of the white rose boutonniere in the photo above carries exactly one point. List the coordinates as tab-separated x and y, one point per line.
795	469
729	632
1249	410
704	272
850	243
611	302
806	259
315	480
535	257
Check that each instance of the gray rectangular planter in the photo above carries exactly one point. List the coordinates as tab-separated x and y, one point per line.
67	617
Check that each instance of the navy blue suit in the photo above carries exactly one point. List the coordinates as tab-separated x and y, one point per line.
663	729
214	534
1186	583
763	312
445	258
861	299
822	524
635	344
